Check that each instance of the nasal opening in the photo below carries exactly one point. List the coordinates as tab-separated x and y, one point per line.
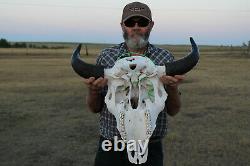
132	66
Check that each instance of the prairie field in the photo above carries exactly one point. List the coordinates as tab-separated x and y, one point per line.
44	120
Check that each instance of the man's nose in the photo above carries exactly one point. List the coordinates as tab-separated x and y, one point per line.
136	26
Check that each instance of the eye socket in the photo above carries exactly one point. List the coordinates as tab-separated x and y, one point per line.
160	92
143	69
110	96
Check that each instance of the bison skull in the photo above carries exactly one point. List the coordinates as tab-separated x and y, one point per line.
135	94
135	97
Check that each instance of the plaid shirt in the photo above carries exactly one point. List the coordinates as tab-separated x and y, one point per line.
108	58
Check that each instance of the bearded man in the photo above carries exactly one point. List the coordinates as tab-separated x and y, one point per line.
136	25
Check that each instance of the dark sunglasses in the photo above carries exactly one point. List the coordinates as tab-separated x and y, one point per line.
141	22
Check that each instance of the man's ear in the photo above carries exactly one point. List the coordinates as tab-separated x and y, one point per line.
122	26
151	25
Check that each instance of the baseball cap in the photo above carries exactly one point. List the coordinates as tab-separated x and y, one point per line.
136	9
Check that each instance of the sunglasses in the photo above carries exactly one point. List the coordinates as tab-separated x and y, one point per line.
141	22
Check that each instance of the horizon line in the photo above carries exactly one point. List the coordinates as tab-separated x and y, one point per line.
85	42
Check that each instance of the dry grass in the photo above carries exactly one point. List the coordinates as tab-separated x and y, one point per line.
44	119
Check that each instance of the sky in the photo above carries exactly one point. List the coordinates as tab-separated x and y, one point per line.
213	22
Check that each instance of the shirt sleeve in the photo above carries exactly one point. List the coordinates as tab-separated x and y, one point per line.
99	62
99	59
171	56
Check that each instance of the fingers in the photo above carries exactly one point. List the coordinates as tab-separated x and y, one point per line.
168	80
100	82
88	80
180	77
172	80
104	82
95	84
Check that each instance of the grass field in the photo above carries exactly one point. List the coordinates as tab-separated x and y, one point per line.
44	120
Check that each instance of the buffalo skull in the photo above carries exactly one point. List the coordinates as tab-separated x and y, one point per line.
135	93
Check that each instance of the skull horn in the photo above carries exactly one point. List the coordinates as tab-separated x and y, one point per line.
84	69
185	64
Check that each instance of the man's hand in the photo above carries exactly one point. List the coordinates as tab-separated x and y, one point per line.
95	85
172	81
173	102
94	99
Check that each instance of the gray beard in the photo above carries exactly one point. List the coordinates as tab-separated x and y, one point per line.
143	41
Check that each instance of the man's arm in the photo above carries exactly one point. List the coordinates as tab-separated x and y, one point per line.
94	101
173	102
94	98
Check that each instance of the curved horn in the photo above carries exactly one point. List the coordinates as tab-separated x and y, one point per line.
84	69
185	64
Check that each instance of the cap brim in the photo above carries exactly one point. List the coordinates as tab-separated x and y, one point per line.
133	15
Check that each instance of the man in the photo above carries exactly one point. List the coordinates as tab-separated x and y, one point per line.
136	25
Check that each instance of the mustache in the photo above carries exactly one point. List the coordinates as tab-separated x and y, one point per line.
136	33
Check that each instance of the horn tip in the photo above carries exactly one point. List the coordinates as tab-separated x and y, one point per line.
192	40
79	46
76	53
194	46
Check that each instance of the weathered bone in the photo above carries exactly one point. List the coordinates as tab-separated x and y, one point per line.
141	83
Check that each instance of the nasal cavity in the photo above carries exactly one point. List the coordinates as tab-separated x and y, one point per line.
132	66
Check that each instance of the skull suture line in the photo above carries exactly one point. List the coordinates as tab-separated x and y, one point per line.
135	94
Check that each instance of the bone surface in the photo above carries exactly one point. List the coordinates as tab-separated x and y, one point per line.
135	97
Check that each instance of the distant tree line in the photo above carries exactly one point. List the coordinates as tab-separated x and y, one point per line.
246	48
5	44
